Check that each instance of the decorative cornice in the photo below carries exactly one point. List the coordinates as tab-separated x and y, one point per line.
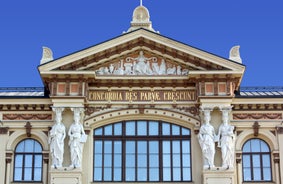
257	116
27	116
25	107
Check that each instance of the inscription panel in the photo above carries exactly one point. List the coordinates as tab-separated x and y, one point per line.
184	95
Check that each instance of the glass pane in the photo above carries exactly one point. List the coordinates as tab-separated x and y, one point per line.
27	175
130	160
153	174
117	174
142	128
98	131
19	161
98	146
186	131
38	161
246	161
255	144
175	130
153	128
165	129
98	160
166	160
130	174
108	147
130	128
130	147
176	160
142	174
166	174
107	174
256	160
18	174
247	174
117	147
186	147
247	147
142	160
176	146
97	174
266	174
142	147
264	147
28	160
108	130
107	160
37	147
166	147
176	174
29	145
20	147
266	161
118	160
186	160
37	174
118	129
257	174
187	174
153	147
153	160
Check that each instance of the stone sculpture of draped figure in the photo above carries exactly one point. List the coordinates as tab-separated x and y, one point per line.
76	134
56	138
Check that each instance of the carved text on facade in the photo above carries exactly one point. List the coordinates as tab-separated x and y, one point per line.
142	95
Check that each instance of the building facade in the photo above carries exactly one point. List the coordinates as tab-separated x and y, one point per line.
141	107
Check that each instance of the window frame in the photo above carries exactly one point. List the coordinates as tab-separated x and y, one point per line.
251	155
23	166
159	138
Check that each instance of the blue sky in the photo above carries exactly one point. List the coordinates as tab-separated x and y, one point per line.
69	26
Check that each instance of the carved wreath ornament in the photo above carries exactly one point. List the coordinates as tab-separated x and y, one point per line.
142	65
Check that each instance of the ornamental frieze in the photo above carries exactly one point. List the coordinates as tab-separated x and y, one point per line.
142	65
27	116
257	116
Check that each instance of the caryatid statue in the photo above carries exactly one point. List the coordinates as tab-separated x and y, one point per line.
56	138
206	139
226	140
76	134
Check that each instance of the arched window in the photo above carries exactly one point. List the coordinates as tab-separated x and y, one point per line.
28	161
256	161
139	151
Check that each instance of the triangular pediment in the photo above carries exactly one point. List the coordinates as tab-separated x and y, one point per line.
141	52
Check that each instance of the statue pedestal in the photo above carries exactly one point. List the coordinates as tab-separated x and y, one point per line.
219	175
65	175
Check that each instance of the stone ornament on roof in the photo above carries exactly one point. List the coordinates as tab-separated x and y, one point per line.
235	54
141	19
142	65
47	55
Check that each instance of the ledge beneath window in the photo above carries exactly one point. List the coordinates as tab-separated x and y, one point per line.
26	182
252	182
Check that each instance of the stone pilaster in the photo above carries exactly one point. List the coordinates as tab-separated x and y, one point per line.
280	143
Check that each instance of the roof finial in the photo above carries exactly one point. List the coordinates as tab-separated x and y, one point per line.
140	2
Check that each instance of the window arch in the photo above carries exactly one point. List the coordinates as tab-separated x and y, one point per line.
28	161
139	151
256	161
